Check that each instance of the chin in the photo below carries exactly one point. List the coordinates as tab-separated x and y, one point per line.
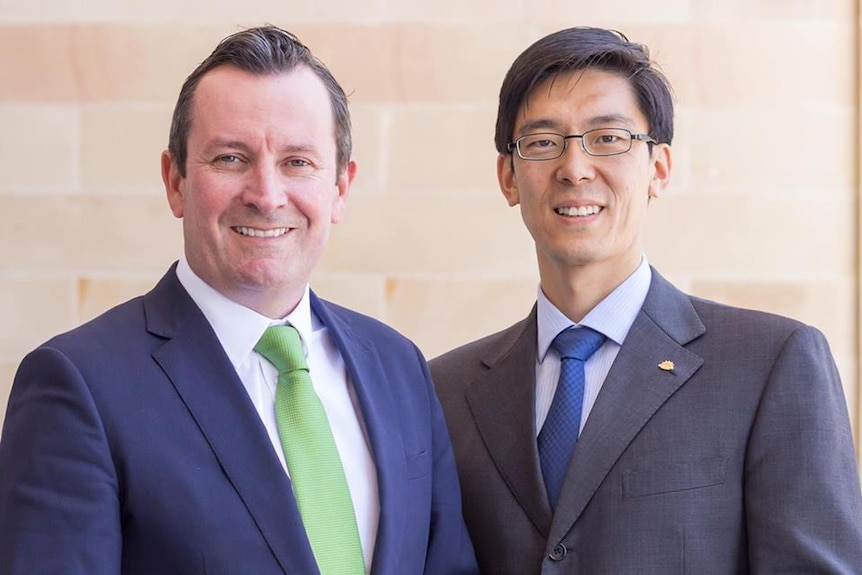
578	257
258	277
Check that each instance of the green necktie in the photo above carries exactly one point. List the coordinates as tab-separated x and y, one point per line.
315	468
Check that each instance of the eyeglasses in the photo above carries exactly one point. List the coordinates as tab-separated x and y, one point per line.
599	142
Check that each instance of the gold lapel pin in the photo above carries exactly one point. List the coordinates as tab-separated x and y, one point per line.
666	365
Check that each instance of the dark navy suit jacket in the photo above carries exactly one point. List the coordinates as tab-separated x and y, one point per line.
131	446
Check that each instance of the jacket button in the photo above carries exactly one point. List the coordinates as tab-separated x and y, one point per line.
558	552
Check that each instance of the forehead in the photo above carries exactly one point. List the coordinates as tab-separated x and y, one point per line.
230	99
581	100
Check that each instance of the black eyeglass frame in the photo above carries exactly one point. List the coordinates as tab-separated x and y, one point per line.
516	145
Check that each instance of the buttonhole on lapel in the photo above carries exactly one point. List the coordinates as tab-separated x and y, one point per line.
666	365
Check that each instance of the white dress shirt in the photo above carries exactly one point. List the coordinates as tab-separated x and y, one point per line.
612	317
238	329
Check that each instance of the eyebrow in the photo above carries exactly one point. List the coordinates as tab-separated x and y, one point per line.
594	122
537	125
221	144
218	144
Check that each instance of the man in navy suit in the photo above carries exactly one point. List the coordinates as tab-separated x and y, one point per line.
146	441
702	438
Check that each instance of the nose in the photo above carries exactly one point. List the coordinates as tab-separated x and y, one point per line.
575	165
264	189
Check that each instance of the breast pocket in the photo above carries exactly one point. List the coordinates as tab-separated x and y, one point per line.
673	477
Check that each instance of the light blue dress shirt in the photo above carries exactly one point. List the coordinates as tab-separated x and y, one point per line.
613	317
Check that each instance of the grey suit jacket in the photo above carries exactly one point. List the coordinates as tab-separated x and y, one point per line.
739	460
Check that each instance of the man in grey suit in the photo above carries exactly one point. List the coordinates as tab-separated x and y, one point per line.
690	437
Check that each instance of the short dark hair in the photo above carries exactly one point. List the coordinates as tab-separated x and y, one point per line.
261	51
576	49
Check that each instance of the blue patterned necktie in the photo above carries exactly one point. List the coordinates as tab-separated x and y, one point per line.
559	434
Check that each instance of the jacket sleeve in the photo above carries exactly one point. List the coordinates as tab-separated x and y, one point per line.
450	551
59	509
802	496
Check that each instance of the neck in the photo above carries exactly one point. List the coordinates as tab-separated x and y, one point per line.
272	306
576	290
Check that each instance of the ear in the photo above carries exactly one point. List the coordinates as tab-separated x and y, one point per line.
506	178
173	184
662	162
342	185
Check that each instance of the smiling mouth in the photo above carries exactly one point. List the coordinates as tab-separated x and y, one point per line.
579	212
258	233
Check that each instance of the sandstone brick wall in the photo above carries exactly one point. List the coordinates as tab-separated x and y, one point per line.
762	211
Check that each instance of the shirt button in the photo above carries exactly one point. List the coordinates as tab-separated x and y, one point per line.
558	552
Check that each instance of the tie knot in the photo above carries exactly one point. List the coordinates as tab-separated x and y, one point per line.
282	347
577	343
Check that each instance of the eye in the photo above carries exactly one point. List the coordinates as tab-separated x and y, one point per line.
540	142
604	138
607	141
228	159
299	166
229	162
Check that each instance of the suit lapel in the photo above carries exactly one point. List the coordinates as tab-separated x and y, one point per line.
507	424
635	388
207	383
380	417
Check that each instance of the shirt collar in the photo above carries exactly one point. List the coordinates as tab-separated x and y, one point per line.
612	317
237	327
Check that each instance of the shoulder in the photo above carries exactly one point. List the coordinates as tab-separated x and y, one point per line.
357	323
350	329
743	323
690	318
105	333
487	350
123	328
757	338
88	357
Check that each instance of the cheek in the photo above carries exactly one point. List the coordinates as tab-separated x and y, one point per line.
636	211
530	212
208	215
198	210
319	205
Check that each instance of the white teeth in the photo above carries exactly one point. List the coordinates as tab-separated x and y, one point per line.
581	211
256	233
